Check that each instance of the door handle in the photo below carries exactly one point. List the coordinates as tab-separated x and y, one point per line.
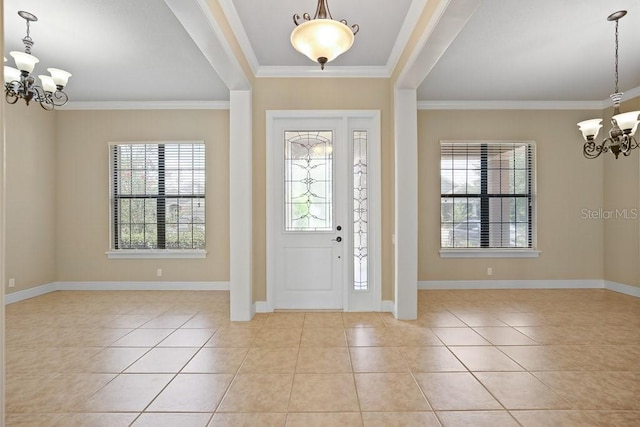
337	239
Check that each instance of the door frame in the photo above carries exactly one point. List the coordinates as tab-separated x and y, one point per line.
370	300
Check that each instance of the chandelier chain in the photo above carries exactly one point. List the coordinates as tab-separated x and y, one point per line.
616	51
27	40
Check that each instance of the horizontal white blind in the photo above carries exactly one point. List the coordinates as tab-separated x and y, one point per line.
158	195
487	194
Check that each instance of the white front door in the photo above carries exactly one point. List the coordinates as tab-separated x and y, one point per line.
319	223
311	195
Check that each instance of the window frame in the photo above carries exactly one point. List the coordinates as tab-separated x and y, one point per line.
486	251
127	253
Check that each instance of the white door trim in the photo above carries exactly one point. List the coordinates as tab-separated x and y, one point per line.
374	196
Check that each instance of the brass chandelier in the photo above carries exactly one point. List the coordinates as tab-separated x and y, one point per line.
621	137
322	38
20	84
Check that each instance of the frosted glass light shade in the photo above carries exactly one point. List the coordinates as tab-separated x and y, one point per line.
24	61
47	83
590	128
60	77
11	74
322	38
628	122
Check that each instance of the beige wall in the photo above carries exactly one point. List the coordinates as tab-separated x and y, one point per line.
62	162
572	248
319	94
622	191
30	195
83	202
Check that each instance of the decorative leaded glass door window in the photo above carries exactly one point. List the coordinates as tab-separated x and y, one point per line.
308	180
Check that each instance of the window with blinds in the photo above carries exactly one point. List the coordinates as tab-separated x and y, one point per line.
487	194
158	195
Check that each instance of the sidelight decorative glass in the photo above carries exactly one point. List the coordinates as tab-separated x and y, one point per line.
360	212
308	168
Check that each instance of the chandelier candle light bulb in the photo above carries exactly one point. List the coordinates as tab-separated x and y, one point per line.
623	125
24	61
11	74
20	84
627	122
590	128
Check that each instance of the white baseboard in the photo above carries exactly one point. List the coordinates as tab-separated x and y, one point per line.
531	284
511	284
29	293
262	307
389	307
114	286
142	286
634	291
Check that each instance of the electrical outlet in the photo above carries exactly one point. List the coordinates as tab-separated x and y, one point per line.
489	271
12	282
159	272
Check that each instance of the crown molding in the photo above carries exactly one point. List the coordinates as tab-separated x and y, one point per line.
630	94
510	105
146	105
525	105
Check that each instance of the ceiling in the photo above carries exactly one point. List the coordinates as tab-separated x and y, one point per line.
146	51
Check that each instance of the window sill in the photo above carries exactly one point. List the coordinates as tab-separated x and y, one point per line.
156	253
489	253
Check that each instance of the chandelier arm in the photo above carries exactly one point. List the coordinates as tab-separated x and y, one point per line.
591	150
47	104
624	145
629	143
59	98
39	93
10	95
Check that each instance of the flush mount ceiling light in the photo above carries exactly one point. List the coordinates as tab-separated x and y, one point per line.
20	84
623	125
322	38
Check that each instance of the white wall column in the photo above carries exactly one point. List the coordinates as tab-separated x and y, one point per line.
406	209
240	209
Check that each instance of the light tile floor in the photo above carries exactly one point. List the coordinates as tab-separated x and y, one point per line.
472	358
